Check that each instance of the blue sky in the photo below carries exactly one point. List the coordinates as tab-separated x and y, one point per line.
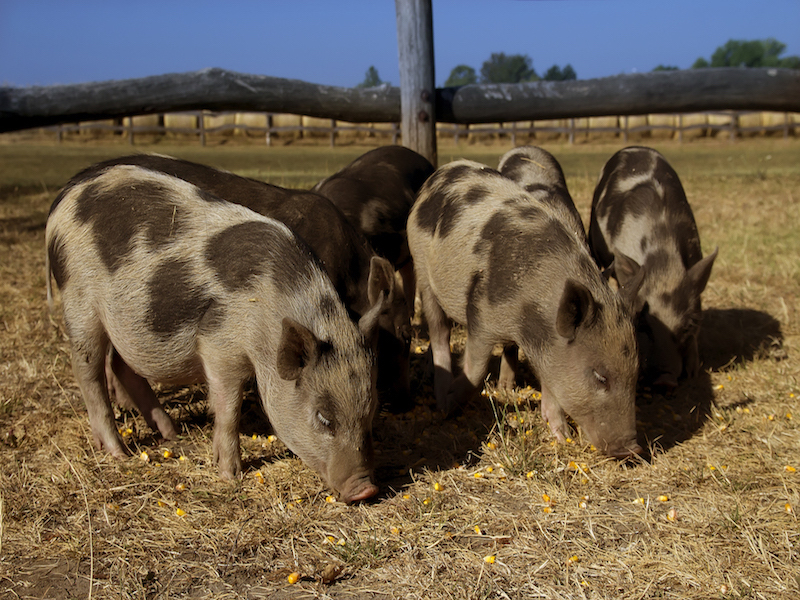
333	42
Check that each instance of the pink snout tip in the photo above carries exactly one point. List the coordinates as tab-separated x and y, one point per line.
364	493
627	452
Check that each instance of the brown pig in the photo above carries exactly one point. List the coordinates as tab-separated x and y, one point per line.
189	288
642	230
502	262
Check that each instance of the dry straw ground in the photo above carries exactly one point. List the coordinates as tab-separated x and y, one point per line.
482	506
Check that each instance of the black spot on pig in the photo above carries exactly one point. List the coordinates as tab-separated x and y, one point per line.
452	176
176	299
637	202
58	261
474	294
327	306
536	328
476	194
208	196
118	213
429	211
450	213
250	249
528	211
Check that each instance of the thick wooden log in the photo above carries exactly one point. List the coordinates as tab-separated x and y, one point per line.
658	92
417	81
216	89
212	89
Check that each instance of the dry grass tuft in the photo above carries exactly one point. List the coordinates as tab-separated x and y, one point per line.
480	506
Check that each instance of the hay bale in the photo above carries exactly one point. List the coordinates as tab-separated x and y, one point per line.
541	127
281	120
255	120
596	123
751	121
658	121
637	127
323	124
779	120
174	122
698	123
721	123
214	121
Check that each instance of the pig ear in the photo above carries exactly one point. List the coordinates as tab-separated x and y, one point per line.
629	275
577	307
381	281
698	275
380	292
299	347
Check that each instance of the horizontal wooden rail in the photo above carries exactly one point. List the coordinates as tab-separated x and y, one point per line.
217	89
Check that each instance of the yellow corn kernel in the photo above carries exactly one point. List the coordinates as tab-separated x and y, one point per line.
489	469
788	508
572	465
530	474
180	487
330	499
341	542
789	469
547	510
180	512
271	438
293	577
478	475
144	456
573	559
639	501
491	445
437	487
719	387
478	530
489	559
583	504
394	530
161	504
182	458
545	497
167	453
663	498
672	515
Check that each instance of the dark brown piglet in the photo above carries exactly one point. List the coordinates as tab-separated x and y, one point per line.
189	288
491	256
643	231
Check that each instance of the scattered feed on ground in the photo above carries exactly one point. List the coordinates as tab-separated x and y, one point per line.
480	506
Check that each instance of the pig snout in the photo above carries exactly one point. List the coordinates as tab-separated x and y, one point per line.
359	490
631	450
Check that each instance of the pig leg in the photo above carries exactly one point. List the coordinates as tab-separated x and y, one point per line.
131	390
554	415
225	398
409	285
439	334
88	364
508	367
477	353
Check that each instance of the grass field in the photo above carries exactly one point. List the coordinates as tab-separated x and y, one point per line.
481	506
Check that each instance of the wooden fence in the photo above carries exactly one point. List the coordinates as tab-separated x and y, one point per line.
282	127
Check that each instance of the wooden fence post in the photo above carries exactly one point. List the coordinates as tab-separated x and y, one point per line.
417	85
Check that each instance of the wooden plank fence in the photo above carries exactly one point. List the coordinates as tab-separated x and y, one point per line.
735	124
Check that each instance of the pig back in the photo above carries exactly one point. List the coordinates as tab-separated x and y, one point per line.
162	265
483	241
639	207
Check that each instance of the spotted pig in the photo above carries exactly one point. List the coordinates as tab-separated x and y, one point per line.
642	230
503	262
349	260
189	288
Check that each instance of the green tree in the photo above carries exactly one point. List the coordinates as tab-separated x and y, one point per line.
665	68
556	73
750	53
461	75
371	79
513	68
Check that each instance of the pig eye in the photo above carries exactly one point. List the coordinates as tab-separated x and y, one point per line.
601	379
321	418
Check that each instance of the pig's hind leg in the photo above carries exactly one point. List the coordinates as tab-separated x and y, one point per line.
439	333
132	390
477	352
88	364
